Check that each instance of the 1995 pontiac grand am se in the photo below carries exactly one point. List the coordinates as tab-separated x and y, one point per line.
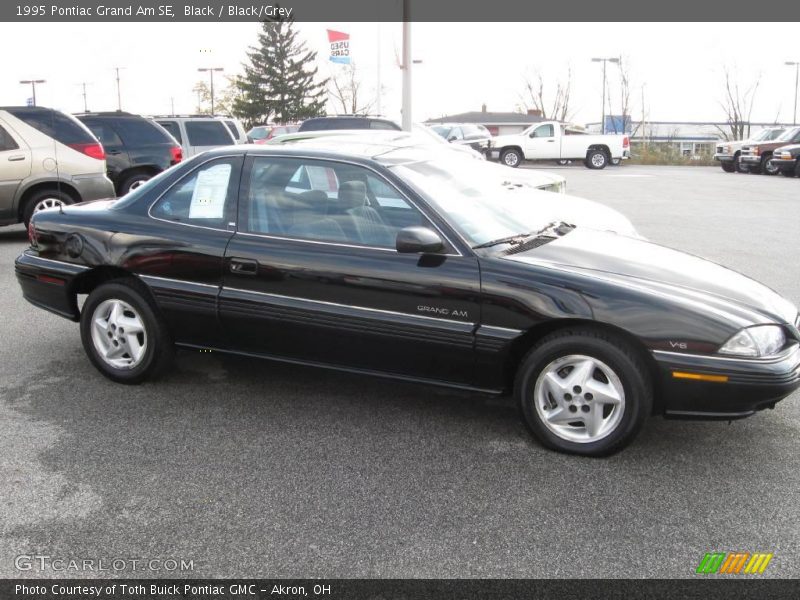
402	262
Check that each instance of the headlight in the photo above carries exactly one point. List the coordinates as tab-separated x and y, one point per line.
763	340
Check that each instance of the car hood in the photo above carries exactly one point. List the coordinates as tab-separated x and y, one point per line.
547	207
652	268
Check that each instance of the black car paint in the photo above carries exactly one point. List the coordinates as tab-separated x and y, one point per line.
788	165
461	318
123	156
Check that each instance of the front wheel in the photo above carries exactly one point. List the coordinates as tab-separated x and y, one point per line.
511	157
596	159
583	392
728	167
767	168
122	334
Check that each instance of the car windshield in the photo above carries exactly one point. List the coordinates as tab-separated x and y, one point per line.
442	130
259	133
788	135
481	201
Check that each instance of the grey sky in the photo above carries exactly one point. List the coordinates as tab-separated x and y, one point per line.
464	64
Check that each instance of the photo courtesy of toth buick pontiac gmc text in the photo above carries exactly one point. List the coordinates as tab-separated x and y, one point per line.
407	262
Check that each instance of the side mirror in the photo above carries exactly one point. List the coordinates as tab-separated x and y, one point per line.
452	138
418	240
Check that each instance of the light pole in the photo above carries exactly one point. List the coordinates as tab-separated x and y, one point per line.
796	65
211	72
604	61
407	63
119	94
33	83
85	102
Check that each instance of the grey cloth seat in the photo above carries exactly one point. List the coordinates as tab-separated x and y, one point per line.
365	224
310	218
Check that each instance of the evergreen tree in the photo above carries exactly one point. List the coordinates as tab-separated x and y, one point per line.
279	82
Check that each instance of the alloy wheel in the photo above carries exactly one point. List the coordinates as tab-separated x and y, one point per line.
46	203
579	398
118	334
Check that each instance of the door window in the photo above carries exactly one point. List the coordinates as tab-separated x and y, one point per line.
205	197
208	133
543	131
6	141
324	201
173	128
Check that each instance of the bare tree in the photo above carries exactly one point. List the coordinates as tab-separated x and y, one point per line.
224	95
738	106
555	105
346	91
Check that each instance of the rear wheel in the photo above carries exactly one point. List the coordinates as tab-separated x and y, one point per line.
511	157
132	182
44	200
584	392
122	333
596	159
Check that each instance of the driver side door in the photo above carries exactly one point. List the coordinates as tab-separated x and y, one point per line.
313	276
541	143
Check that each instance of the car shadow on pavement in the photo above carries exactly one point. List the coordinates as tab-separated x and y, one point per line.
12	235
320	473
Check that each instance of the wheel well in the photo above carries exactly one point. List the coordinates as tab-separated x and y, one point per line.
602	147
46	185
517	148
521	346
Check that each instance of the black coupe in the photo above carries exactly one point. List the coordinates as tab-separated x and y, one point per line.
407	263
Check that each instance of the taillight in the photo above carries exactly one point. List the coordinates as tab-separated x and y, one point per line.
32	234
626	142
177	154
94	150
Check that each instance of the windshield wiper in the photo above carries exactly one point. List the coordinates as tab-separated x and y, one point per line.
556	228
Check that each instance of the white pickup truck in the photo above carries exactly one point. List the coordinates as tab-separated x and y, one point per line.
552	140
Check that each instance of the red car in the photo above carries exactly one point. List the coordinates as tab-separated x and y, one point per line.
261	134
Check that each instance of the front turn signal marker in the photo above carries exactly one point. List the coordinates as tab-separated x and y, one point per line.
700	376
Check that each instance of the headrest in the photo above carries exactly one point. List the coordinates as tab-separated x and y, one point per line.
352	194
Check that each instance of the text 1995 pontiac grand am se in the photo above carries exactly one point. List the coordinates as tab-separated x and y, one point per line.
417	266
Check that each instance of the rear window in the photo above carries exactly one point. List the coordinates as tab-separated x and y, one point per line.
207	133
140	132
173	128
232	128
57	125
383	125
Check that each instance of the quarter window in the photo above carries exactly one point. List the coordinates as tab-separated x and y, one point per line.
325	201
173	128
205	197
6	141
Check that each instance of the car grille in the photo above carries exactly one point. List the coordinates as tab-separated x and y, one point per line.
719	149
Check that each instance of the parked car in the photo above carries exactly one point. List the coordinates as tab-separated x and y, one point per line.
197	134
728	153
263	133
236	129
348	122
787	160
417	268
557	141
756	157
475	136
47	159
136	148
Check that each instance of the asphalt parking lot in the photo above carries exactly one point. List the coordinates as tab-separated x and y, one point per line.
250	468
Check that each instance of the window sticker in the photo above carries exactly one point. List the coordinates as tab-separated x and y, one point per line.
210	191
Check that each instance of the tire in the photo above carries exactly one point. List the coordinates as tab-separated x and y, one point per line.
737	163
728	167
511	157
144	350
596	159
766	168
563	162
600	362
132	182
43	199
788	173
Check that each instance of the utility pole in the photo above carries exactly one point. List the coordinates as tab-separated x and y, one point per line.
172	104
33	83
211	72
407	65
379	94
119	95
604	61
796	65
85	103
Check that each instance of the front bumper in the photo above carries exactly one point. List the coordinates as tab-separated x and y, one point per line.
48	283
749	384
724	157
752	159
783	164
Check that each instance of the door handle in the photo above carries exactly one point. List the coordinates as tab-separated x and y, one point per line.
16	158
113	152
551	141
243	266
